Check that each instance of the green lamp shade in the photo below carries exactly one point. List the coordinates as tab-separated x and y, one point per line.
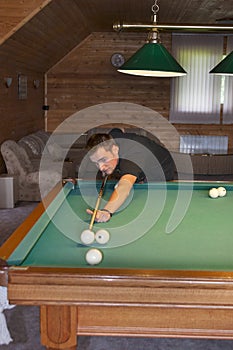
225	67
152	60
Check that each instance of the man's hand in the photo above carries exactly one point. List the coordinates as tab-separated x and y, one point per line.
101	216
117	198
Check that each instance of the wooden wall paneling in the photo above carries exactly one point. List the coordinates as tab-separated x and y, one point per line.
19	117
86	77
14	14
102	117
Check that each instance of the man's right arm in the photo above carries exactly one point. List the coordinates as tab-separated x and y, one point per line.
120	193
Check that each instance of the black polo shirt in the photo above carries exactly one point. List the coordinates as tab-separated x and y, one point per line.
143	158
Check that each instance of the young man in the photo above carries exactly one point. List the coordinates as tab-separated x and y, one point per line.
129	158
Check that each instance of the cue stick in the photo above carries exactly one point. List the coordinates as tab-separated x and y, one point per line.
101	191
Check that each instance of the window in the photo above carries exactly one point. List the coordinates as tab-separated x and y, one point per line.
196	97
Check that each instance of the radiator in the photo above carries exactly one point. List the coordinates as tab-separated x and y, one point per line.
196	144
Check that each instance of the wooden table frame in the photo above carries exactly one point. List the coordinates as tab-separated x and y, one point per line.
123	302
126	303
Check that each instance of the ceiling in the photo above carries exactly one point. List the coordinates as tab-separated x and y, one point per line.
170	11
41	34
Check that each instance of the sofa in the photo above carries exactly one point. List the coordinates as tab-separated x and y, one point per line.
39	148
36	164
33	185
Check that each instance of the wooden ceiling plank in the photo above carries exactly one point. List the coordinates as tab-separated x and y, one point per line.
60	30
71	17
23	21
32	56
47	36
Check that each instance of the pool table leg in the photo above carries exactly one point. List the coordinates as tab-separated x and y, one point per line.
58	327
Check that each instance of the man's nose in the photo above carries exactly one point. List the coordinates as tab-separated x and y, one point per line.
101	166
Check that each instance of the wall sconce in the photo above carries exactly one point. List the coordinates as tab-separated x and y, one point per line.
36	83
8	81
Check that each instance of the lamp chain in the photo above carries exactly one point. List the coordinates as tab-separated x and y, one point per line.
153	36
155	10
155	7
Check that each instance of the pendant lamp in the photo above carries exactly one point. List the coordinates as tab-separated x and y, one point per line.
225	67
153	59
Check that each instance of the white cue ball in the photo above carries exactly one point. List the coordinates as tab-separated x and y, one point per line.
94	256
102	236
87	237
222	191
213	193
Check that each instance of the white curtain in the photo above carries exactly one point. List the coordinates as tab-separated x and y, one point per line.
195	98
228	94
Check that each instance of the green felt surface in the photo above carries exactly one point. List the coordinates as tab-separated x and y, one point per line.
202	240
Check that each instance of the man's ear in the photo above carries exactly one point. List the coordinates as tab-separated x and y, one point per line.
115	150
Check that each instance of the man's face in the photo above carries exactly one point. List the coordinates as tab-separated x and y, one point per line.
106	161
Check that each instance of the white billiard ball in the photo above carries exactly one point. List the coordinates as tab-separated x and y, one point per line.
213	192
87	237
94	256
222	191
102	236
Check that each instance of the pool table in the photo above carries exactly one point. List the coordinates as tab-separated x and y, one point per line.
167	269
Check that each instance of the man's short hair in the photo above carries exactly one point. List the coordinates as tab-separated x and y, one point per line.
100	140
116	132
